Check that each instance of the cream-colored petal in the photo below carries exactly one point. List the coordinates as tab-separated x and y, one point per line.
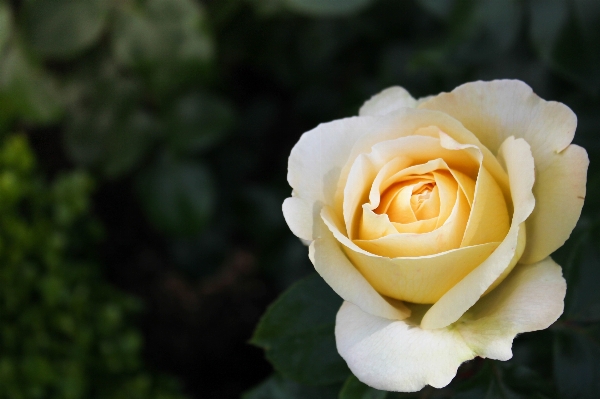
446	237
448	190
428	155
356	192
390	168
401	356
388	101
420	279
498	109
426	204
299	217
332	264
531	298
516	155
489	219
396	355
404	124
375	226
559	192
420	226
398	207
316	162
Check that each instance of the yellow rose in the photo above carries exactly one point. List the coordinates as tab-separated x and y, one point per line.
434	220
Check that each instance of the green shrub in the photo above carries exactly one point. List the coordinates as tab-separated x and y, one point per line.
64	331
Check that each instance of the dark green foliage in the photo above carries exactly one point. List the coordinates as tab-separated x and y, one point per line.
297	333
277	387
177	195
64	332
354	389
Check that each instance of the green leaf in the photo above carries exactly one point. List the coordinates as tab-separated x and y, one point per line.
167	41
198	121
488	383
354	389
327	7
297	333
576	364
107	128
277	387
177	195
25	90
63	28
580	260
5	24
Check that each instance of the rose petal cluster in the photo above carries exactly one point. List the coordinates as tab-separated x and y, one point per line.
434	220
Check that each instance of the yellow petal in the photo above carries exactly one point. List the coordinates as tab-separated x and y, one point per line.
375	226
394	165
391	130
426	205
420	226
519	165
444	238
489	219
498	109
356	191
332	264
397	205
448	190
420	279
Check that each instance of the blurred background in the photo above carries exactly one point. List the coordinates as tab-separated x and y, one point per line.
143	161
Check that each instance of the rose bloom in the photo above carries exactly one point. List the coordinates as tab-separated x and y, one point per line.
434	220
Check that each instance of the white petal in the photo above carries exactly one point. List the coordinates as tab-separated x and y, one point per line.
519	164
397	355
400	356
531	298
299	217
388	101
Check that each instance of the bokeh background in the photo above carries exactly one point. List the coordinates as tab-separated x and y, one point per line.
143	161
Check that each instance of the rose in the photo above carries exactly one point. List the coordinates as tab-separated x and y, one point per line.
434	221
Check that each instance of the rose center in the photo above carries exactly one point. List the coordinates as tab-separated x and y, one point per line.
411	200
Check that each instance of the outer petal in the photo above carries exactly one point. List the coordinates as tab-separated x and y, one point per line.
299	217
531	298
559	191
335	268
450	307
317	159
400	356
495	110
388	101
397	355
